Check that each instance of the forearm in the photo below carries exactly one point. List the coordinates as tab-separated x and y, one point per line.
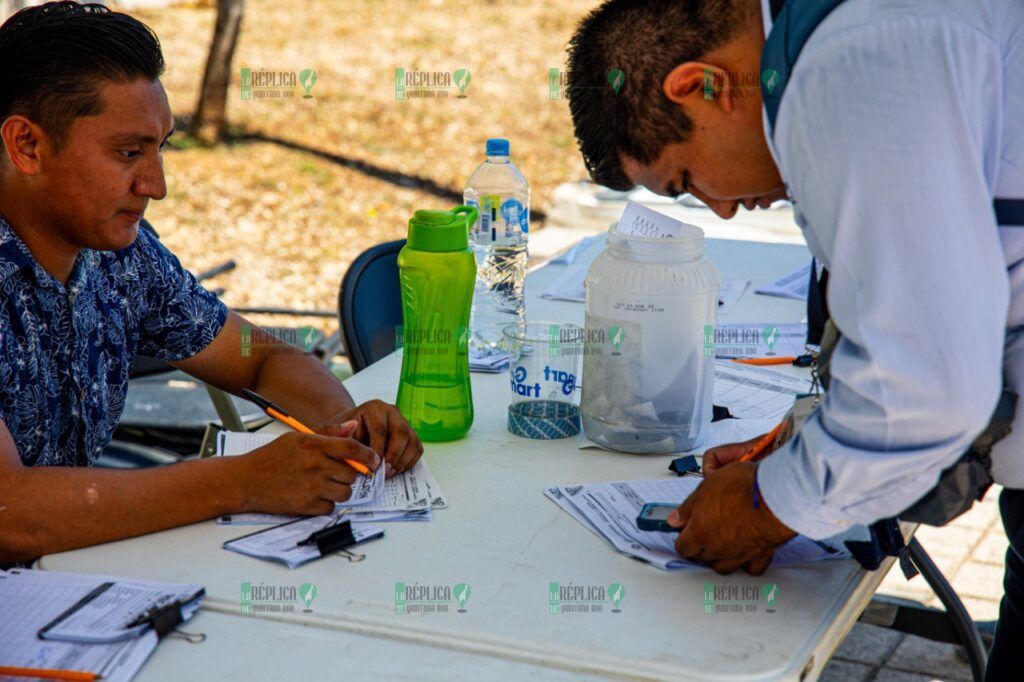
45	510
303	386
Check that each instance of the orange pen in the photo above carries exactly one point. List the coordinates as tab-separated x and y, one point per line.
280	415
760	445
49	674
779	360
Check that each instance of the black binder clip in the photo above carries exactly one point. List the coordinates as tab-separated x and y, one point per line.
684	465
331	538
163	619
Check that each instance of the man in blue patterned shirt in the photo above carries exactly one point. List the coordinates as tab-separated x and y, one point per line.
83	121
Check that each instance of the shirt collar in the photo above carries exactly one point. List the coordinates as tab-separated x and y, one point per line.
766	16
15	257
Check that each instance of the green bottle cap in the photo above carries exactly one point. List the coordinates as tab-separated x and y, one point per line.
441	230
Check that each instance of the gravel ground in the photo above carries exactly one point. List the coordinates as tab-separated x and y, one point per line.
358	162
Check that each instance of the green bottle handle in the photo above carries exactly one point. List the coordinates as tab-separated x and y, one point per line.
471	215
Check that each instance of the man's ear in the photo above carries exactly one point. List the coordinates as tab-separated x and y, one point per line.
22	142
692	81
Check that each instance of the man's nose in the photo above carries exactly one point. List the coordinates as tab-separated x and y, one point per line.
150	181
723	209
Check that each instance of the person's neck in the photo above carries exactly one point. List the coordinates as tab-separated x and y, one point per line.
52	253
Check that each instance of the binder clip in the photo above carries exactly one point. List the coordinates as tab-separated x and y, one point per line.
164	620
331	538
684	465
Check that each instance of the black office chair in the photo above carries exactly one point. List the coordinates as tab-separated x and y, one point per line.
370	305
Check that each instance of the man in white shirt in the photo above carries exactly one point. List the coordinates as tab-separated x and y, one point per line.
900	124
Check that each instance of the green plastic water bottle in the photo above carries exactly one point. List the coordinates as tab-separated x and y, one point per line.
437	272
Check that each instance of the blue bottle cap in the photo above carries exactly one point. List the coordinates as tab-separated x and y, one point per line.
497	146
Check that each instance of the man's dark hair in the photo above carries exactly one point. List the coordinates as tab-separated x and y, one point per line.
55	58
645	40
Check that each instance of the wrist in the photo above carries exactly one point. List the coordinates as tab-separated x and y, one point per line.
772	527
237	474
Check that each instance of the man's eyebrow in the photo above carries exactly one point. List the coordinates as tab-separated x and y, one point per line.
139	138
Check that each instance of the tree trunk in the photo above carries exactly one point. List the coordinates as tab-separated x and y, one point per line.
209	122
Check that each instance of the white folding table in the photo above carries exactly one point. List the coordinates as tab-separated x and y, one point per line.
508	542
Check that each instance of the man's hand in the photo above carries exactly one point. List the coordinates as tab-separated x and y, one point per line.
722	528
718	457
303	474
383	428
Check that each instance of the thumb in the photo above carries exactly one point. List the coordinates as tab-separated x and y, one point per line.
718	457
343	430
679	516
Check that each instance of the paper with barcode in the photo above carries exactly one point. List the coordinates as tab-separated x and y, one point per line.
364	488
609	510
411	491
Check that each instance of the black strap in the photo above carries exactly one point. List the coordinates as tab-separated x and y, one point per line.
1009	212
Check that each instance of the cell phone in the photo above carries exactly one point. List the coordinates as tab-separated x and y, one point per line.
654	516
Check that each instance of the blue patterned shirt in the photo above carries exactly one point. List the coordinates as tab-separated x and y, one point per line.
66	350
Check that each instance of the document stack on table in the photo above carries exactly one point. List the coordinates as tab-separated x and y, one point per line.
609	510
410	496
81	626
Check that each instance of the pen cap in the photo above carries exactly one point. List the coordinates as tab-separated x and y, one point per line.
441	230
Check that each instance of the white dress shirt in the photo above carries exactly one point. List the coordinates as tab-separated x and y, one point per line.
901	121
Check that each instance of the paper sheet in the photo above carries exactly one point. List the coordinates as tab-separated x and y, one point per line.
610	510
356	517
364	488
280	543
793	286
105	618
754	392
639	221
28	602
412	490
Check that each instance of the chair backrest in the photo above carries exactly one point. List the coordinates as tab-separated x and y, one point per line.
370	304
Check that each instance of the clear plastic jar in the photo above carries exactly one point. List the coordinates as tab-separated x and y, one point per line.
648	364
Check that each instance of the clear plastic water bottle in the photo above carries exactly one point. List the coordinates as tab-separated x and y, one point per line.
502	196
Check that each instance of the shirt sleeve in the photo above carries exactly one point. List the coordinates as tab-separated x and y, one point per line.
181	317
888	139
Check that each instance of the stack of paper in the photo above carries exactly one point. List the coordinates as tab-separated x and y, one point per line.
569	284
409	496
489	361
793	286
31	600
281	543
609	510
